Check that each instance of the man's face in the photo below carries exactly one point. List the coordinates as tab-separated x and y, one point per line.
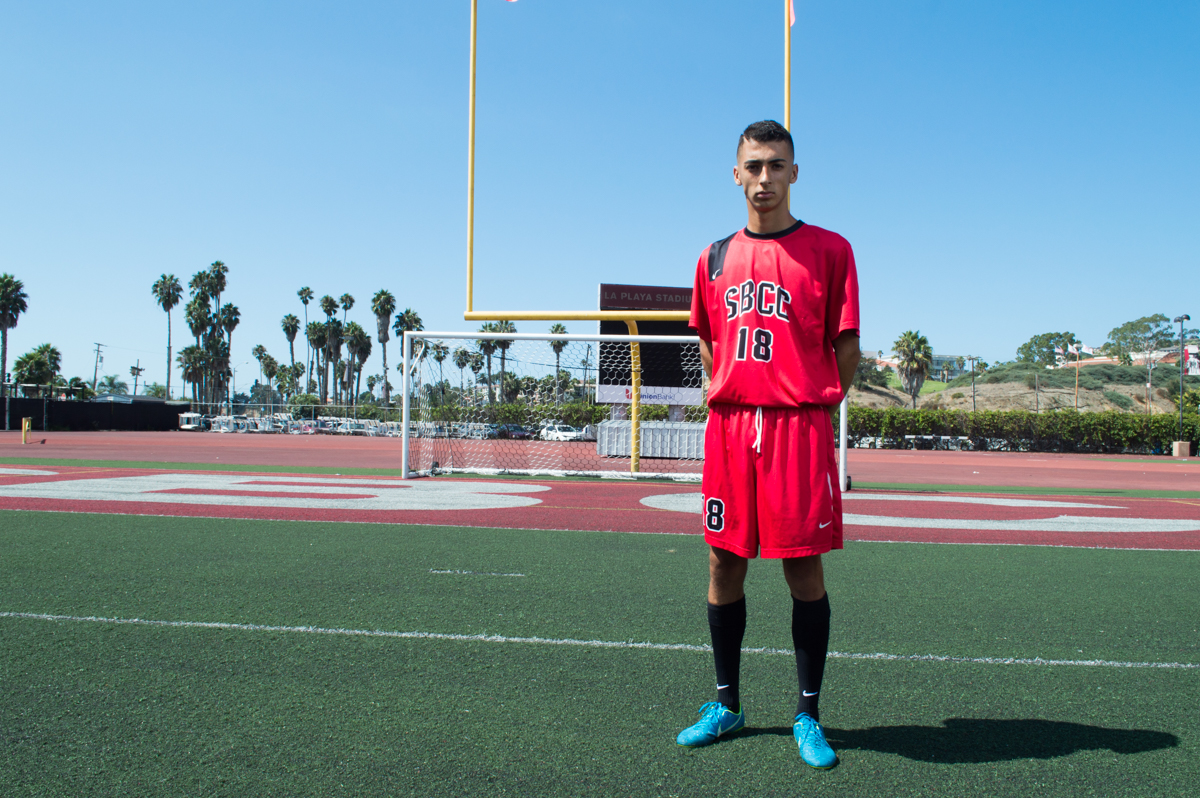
764	171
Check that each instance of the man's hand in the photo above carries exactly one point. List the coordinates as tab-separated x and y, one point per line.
706	356
845	349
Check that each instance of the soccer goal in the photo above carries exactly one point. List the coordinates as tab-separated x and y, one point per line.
561	405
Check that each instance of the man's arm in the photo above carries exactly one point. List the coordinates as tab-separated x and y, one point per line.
706	357
845	349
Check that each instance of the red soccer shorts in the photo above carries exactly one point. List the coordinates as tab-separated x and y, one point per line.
769	481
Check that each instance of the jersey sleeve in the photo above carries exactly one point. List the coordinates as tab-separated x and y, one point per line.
841	311
699	318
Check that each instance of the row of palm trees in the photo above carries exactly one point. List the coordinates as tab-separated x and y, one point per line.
338	379
205	365
480	357
334	378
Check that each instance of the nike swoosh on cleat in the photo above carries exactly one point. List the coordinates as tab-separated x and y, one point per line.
807	694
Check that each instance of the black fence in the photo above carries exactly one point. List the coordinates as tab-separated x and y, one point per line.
51	415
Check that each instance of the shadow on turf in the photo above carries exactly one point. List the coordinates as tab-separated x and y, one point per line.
971	740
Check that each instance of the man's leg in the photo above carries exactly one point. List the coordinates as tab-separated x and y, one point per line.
727	623
727	620
810	627
810	633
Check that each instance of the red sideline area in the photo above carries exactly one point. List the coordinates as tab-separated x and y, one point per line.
611	505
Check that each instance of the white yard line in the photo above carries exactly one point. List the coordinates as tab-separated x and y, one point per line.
619	644
455	572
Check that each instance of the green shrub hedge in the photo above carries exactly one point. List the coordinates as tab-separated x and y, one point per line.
1022	431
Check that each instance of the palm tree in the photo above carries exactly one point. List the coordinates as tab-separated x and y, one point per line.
355	335
291	326
229	318
38	366
383	305
258	353
216	280
191	367
167	292
347	302
914	356
476	367
363	352
408	321
462	359
314	333
306	295
329	306
333	352
503	345
113	384
12	305
558	347
199	285
487	348
270	367
439	351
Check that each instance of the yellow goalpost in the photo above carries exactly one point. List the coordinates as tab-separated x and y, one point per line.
630	317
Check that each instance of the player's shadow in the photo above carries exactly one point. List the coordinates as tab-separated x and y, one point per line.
972	740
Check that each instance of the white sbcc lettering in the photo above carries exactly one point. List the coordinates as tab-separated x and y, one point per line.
766	298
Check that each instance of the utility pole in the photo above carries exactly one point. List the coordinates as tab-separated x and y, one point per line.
1180	320
972	358
1037	403
135	372
96	373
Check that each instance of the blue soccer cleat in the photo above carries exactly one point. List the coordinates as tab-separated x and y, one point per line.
715	719
810	737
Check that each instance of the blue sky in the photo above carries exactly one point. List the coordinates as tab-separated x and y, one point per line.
1002	169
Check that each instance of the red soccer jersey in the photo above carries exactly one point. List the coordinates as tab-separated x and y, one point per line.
771	306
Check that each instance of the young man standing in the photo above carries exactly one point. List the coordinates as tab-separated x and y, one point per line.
776	309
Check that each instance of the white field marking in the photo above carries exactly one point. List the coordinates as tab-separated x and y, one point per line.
690	503
382	494
993	501
567	641
679	501
467	573
26	472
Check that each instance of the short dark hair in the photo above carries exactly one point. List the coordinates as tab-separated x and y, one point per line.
766	131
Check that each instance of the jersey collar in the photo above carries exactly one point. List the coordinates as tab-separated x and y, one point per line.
772	236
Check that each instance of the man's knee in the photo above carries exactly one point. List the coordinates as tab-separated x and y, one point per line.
727	574
805	577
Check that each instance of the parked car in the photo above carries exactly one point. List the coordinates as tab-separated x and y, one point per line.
514	432
559	432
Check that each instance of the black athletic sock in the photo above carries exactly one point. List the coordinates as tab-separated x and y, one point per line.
810	634
727	623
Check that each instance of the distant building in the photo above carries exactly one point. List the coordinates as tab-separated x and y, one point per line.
949	362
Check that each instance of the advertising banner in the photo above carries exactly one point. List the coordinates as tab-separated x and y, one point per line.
651	395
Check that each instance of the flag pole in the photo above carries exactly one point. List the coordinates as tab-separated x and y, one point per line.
471	167
1078	351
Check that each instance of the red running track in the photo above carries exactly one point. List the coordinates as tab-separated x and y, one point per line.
1102	522
1009	469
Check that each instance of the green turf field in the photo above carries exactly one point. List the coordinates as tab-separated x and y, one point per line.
103	709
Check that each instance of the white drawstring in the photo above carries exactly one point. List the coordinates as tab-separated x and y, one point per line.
758	431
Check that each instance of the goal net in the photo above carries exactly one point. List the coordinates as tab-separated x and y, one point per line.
563	405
